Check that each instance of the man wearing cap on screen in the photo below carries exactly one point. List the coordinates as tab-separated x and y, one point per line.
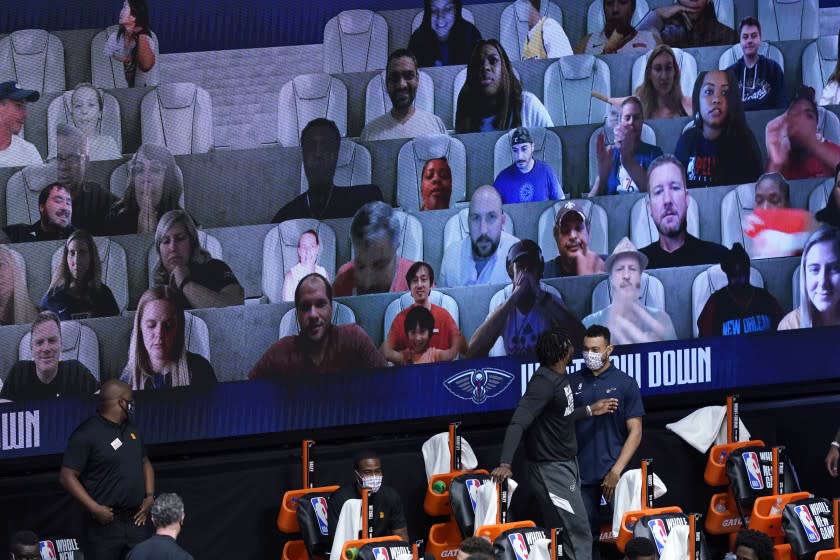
14	150
529	310
571	232
629	321
526	179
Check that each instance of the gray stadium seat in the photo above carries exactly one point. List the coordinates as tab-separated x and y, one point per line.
652	293
498	299
60	111
352	168
355	41
34	58
413	156
725	12
78	342
597	228
114	268
736	205
547	147
418	18
178	116
196	335
280	253
342	315
109	73
457	227
595	15
22	190
708	282
405	301
513	25
571	80
788	20
643	231
411	238
818	62
686	62
819	196
735	53
648	136
828	125
377	102
306	97
208	242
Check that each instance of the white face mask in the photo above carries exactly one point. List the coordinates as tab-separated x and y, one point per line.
372	482
593	360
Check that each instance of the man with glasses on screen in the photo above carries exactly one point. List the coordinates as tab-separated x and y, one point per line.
91	203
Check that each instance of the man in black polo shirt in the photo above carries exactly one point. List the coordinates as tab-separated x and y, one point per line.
388	514
605	444
320	142
105	469
546	415
55	206
668	204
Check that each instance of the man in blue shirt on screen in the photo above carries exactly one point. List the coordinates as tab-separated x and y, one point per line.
527	179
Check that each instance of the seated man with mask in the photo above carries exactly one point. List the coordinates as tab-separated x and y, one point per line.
388	514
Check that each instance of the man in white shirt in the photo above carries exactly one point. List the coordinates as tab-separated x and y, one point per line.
404	120
479	258
14	150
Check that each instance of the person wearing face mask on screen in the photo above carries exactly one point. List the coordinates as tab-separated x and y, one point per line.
607	443
388	514
106	469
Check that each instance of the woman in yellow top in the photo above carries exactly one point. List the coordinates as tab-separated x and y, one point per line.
546	38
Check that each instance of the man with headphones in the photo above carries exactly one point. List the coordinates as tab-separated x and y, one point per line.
546	417
528	309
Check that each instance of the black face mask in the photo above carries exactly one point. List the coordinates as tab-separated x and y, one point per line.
129	411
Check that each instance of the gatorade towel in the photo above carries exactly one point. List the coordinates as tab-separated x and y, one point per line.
778	232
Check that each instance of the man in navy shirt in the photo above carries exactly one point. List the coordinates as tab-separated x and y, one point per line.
527	179
607	443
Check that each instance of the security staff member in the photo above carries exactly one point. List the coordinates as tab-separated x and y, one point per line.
388	514
608	443
546	415
105	469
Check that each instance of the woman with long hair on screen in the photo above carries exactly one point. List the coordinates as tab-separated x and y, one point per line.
819	283
186	267
155	186
831	91
444	37
77	290
719	149
133	44
492	97
661	93
15	304
157	352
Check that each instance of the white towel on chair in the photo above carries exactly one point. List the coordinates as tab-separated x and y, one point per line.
628	495
706	426
348	526
436	455
676	547
540	550
487	502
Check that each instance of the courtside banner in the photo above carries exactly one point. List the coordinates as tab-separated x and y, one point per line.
245	408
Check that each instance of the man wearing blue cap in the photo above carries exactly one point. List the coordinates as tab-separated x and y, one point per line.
14	150
527	179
